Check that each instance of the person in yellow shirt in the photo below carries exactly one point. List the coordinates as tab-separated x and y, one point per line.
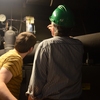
11	64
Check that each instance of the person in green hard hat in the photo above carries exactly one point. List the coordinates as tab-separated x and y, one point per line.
56	73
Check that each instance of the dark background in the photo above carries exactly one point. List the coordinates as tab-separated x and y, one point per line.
87	16
86	12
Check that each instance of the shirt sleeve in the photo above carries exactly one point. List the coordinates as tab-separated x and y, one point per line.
14	65
39	73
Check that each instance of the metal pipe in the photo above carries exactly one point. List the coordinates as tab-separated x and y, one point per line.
90	40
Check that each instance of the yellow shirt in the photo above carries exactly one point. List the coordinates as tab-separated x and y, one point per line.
13	62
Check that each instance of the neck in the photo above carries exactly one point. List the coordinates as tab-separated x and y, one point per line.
23	54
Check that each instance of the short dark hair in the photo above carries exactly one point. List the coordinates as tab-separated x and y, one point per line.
24	41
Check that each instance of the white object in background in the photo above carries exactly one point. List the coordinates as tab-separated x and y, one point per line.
29	21
2	17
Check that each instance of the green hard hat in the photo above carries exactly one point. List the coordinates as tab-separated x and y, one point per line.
62	16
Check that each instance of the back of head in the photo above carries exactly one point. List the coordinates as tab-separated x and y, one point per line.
24	41
62	16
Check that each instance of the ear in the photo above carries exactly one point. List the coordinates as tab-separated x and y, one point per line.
31	49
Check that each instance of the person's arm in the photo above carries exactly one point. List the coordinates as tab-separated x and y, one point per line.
38	76
5	77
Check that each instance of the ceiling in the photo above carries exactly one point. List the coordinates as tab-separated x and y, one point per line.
75	4
82	4
87	12
57	2
78	5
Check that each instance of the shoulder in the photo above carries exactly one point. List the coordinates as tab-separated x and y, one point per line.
76	41
13	64
11	58
45	43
